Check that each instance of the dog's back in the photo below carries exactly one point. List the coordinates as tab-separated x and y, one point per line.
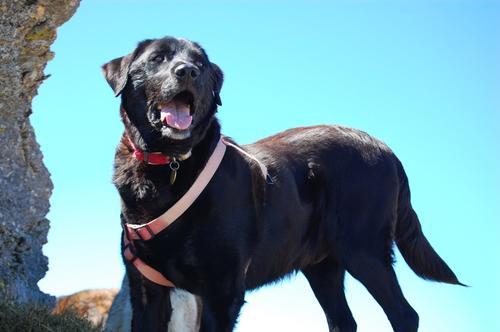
347	159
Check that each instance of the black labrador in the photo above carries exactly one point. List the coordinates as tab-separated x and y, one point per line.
338	201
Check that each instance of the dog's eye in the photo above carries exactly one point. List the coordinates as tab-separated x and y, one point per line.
158	58
199	64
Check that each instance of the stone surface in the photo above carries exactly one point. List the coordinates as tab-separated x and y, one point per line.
120	314
27	29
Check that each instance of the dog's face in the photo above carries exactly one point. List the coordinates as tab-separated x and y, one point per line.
170	92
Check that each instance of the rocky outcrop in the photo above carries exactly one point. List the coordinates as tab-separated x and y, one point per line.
27	29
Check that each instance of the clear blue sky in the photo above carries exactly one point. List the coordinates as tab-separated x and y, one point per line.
424	76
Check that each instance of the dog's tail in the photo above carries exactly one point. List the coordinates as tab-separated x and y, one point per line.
411	241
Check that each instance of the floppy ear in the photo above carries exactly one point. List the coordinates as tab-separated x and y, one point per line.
116	73
218	78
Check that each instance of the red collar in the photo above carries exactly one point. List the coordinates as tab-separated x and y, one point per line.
154	158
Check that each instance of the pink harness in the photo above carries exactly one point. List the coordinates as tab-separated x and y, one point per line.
149	230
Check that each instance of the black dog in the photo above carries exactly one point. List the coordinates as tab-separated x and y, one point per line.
338	201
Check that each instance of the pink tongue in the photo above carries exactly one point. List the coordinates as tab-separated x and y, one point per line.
176	116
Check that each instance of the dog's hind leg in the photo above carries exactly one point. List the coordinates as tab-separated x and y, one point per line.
327	282
380	280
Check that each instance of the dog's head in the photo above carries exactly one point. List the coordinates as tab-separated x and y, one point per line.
170	92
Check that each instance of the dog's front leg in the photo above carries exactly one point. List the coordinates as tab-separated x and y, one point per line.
151	307
222	302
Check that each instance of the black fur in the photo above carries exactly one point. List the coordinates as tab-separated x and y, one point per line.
338	202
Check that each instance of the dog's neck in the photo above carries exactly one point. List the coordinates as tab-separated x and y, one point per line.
145	188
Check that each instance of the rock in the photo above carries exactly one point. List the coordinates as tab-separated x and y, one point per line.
120	313
27	29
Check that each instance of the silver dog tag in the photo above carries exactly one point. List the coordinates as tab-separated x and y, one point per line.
174	166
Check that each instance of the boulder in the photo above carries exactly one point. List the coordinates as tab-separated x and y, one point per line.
27	29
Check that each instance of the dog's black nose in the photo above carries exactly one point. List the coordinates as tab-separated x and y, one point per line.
186	71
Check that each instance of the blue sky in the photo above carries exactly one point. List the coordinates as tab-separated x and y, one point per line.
423	76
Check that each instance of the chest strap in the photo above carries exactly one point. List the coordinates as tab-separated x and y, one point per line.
147	231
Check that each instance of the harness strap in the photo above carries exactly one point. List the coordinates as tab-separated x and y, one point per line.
146	270
149	230
262	167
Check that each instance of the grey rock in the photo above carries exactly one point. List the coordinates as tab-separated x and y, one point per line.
27	29
120	314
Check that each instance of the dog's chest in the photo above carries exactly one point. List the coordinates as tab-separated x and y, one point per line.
170	251
146	196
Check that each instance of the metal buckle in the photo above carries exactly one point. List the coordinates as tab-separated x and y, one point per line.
150	231
138	233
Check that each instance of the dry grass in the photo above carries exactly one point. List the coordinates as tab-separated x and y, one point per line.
29	318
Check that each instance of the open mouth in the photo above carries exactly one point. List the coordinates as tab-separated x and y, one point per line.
178	112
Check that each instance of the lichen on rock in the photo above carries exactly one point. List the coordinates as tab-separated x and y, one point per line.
27	29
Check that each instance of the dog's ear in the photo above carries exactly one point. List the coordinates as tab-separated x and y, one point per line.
218	77
116	73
